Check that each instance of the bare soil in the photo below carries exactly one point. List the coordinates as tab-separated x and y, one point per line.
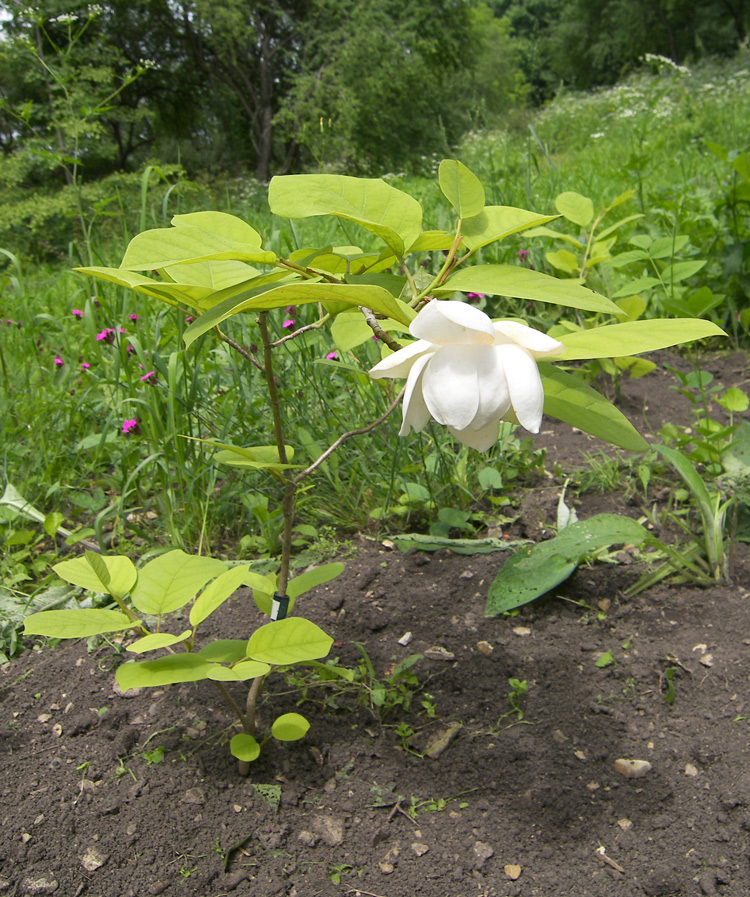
105	794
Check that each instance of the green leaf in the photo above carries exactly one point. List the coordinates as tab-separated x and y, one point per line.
52	523
311	579
216	593
605	660
290	727
555	234
121	572
617	225
393	216
79	623
563	261
244	747
497	222
576	208
636	286
162	671
288	641
196	237
433	241
734	400
535	570
257	457
375	298
156	640
411	541
521	283
169	581
250	669
568	399
682	271
666	247
635	337
461	188
350	329
224	650
171	293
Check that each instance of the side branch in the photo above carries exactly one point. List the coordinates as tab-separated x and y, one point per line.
241	349
378	330
344	436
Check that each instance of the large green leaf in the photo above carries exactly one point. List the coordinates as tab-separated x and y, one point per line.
375	298
171	293
292	640
156	640
576	208
169	581
535	570
216	593
213	275
461	188
196	237
383	210
569	400
497	222
77	623
257	457
118	579
634	337
224	650
311	579
162	671
521	283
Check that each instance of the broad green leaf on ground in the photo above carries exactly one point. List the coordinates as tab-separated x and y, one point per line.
290	727
521	283
497	222
375	298
634	337
120	574
162	671
568	399
156	640
169	581
78	623
216	593
576	208
288	641
535	570
257	457
392	215
196	237
311	579
461	187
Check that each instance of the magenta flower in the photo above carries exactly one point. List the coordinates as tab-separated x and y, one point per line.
130	426
134	317
106	336
472	297
77	313
150	377
332	356
288	324
523	254
85	365
58	361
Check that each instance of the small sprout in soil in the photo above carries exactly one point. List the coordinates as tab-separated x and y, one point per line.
605	660
154	756
668	679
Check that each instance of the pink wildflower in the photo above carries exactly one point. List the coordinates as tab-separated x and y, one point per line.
150	377
134	317
288	324
85	365
77	313
130	426
332	356
106	336
58	361
523	254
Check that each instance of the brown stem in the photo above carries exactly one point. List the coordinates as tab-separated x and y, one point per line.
378	330
248	356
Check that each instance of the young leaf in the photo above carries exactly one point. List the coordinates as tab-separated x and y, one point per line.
569	400
634	337
169	581
522	283
576	208
216	593
313	578
162	671
249	669
225	650
244	747
156	640
77	623
121	571
288	641
495	223
290	727
461	188
383	210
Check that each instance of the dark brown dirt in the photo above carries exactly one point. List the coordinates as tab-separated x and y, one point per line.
510	808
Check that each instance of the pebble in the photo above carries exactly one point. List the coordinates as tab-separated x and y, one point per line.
419	849
405	639
521	630
632	769
93	859
46	883
194	796
330	829
307	839
482	852
513	871
437	652
691	770
625	824
484	647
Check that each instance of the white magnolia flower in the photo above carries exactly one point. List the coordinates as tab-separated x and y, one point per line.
468	373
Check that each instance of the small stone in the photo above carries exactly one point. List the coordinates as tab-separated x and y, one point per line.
559	736
46	883
386	868
484	647
521	630
25	838
482	852
707	883
691	770
388	544
632	769
57	730
330	829
593	786
194	796
405	639
625	824
44	717
437	652
513	871
707	660
4	885
441	740
467	574
158	887
93	859
419	849
581	755
307	839
237	808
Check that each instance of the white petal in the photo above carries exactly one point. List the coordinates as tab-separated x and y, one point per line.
539	344
415	411
399	363
481	439
494	397
525	385
447	322
450	386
